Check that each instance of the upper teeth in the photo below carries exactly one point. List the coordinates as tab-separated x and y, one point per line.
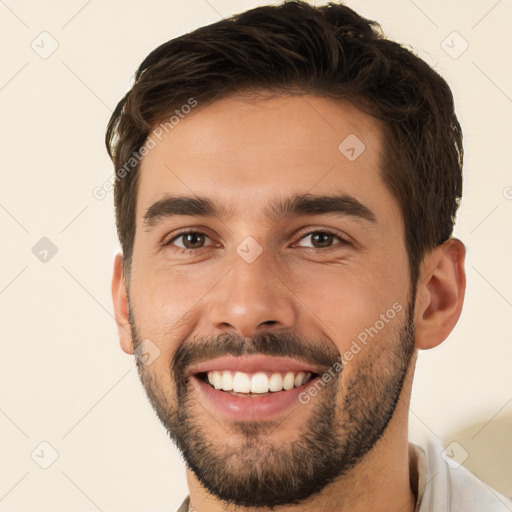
260	382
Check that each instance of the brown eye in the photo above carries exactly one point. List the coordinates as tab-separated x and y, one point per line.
321	240
189	240
193	240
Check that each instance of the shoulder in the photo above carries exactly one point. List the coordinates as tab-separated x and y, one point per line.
445	485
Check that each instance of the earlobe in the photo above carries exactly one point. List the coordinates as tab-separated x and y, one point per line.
121	306
440	293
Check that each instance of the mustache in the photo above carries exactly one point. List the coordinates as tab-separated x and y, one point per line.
277	344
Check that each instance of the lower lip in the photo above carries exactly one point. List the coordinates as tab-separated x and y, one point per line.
251	408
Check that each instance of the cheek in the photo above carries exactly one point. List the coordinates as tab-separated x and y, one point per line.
162	296
344	301
164	302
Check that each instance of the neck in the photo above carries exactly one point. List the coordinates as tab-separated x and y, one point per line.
382	480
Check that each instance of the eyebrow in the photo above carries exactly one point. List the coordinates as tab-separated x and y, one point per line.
342	205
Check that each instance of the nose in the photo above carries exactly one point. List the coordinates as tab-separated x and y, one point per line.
251	298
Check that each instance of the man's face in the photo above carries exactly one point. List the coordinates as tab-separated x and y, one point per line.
270	292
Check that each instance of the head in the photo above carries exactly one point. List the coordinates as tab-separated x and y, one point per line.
286	187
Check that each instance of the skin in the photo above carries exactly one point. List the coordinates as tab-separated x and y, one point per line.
244	152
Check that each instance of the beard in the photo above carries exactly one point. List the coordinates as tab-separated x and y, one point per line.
342	423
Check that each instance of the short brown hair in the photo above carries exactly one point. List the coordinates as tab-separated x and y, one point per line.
329	51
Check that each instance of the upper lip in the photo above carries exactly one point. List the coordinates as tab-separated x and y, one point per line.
253	363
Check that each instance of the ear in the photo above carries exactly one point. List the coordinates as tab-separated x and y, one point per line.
120	299
440	293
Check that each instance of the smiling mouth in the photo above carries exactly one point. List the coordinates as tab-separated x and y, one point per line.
255	384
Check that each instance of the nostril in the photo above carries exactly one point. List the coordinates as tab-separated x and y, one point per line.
269	322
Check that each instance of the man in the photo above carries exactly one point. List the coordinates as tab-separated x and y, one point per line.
286	187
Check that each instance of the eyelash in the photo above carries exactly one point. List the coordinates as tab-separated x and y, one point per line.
183	251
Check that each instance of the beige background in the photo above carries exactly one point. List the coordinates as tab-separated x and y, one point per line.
64	378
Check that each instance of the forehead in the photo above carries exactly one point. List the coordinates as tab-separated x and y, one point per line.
245	152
